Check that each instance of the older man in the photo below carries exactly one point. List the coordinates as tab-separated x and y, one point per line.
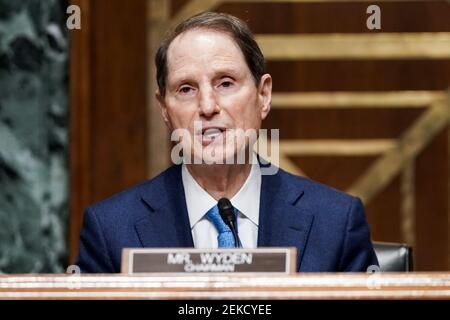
211	84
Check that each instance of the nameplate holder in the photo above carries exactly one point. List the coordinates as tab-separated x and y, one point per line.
182	260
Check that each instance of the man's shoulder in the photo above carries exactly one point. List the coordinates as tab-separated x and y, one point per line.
318	194
128	201
295	181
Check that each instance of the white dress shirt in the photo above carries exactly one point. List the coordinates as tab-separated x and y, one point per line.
246	201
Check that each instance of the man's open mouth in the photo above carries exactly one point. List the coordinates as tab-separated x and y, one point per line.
210	134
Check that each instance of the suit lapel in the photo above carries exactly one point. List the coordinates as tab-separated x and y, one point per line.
167	222
283	220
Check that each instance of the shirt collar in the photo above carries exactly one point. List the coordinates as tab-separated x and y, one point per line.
246	200
198	201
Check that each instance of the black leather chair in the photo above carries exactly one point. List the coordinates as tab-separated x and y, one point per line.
393	256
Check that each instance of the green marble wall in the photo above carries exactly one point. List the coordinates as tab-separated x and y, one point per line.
33	136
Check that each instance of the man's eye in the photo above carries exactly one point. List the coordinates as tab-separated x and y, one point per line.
226	84
185	89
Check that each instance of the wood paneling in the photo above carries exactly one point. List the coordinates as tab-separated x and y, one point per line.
342	17
375	75
342	124
80	129
108	103
119	98
432	203
309	286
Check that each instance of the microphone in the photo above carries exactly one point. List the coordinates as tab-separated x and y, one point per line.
226	211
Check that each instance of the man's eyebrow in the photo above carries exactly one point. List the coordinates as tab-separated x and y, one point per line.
225	70
219	72
177	79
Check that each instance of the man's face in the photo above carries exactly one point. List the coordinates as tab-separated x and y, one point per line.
209	82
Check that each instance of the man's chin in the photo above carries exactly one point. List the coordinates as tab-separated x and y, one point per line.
220	156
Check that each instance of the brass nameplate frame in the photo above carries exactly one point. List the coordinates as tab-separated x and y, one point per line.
182	260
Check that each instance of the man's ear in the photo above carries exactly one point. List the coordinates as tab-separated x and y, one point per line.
162	105
265	95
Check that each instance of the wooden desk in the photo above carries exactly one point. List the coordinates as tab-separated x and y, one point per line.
415	285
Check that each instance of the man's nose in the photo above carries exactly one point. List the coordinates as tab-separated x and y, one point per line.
208	103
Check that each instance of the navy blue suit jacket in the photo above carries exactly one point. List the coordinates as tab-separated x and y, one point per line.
328	227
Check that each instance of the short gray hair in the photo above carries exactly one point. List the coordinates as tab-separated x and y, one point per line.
222	22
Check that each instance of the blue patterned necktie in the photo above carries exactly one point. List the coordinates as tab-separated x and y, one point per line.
225	238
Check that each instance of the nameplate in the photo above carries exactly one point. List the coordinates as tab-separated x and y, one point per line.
182	260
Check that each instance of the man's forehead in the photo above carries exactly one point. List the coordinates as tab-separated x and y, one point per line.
203	45
202	37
